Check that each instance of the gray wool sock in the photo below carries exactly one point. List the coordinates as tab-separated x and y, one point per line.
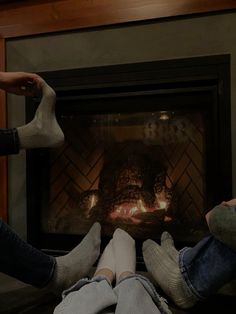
167	275
167	243
76	264
222	224
43	130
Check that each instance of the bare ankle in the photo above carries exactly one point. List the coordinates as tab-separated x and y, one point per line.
125	274
106	273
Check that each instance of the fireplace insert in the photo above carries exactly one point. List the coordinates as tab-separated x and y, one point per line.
148	149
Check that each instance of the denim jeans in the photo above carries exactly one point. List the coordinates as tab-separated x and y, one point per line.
22	261
207	266
18	258
9	141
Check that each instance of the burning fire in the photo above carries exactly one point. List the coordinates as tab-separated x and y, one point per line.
131	210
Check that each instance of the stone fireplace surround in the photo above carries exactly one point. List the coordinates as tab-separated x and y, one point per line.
186	85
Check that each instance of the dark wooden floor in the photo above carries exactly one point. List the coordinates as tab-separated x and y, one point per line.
16	298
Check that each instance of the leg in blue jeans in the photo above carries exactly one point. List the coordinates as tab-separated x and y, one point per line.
30	265
199	272
20	260
207	266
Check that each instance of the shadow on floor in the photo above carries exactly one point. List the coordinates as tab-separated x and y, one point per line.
29	300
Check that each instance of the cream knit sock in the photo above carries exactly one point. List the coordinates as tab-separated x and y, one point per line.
124	252
76	264
167	243
167	274
43	130
107	262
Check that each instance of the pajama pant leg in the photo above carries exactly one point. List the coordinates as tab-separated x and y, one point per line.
136	295
87	297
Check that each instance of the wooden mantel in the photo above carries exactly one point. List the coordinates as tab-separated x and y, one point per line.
34	17
29	17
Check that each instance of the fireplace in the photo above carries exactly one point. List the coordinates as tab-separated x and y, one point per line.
147	149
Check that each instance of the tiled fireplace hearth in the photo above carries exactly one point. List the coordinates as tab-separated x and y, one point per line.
147	149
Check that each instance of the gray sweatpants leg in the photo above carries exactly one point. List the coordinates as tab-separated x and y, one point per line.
133	295
87	297
136	295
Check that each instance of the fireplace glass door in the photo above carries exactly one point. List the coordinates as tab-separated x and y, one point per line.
141	171
147	149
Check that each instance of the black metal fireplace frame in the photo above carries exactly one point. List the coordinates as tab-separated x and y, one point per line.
207	78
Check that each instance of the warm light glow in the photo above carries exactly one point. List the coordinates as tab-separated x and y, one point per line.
164	115
141	206
163	204
93	201
161	201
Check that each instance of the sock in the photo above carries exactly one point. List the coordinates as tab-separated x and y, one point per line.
222	224
76	264
43	130
167	243
124	252
167	275
107	262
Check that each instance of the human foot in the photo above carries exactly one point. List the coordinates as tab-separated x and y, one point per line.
167	274
125	254
77	263
43	130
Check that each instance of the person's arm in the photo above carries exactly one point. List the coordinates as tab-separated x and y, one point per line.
19	83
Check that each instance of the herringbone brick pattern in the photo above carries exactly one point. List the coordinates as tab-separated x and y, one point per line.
76	167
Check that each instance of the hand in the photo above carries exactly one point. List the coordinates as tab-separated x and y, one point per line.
20	83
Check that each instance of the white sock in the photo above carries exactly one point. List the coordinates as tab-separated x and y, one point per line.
107	260
167	275
76	264
43	130
124	252
167	243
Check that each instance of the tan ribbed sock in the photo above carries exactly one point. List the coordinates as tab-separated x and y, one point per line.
167	243
125	254
76	264
167	275
43	130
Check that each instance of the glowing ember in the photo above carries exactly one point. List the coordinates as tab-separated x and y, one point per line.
131	211
161	201
92	201
163	204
